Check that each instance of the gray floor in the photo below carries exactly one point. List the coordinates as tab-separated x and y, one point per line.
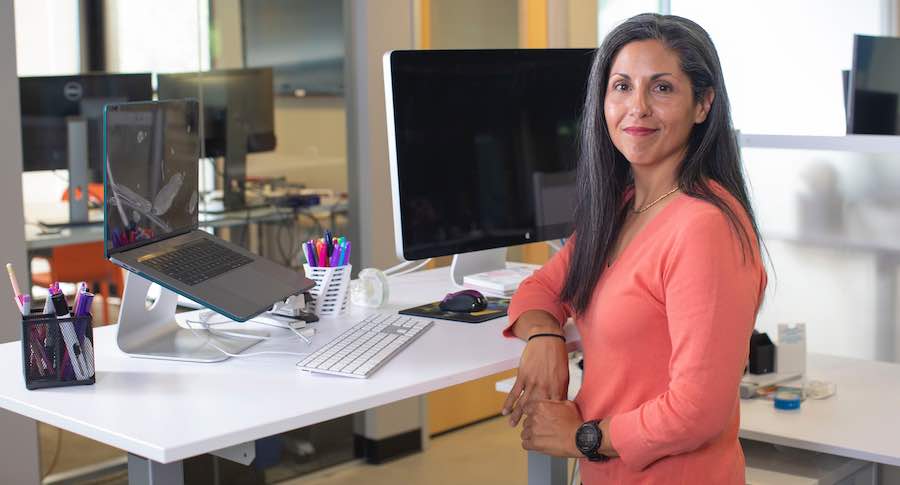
489	452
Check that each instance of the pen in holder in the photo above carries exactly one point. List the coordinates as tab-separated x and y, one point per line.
332	290
57	351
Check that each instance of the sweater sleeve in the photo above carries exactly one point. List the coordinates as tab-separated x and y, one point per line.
541	290
712	292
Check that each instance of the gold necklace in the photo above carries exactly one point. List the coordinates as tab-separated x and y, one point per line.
643	209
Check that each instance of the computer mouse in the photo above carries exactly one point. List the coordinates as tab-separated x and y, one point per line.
465	301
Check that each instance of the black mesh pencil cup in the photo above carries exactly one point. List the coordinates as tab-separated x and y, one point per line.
57	351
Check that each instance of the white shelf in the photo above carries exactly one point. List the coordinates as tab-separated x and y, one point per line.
843	143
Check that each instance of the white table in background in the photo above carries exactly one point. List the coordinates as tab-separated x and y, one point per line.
162	412
862	421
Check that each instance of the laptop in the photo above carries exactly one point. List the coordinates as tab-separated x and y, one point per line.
151	227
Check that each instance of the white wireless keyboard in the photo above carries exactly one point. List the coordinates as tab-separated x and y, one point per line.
360	351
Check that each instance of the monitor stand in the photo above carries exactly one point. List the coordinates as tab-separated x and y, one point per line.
476	262
152	332
77	149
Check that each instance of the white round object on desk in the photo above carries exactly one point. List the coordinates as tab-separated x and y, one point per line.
370	289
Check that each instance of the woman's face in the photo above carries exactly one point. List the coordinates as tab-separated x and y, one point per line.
650	109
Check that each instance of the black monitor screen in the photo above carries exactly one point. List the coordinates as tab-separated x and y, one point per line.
46	102
152	152
876	86
485	146
236	102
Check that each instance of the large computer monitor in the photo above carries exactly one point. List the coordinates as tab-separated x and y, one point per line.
238	117
47	103
874	86
482	147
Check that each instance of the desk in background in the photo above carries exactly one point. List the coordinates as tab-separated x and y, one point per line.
39	241
859	422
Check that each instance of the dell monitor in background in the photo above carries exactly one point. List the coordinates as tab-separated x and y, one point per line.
47	102
61	118
483	149
874	86
238	118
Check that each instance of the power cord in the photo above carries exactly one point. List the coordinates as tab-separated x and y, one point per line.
213	331
208	326
411	270
396	268
56	453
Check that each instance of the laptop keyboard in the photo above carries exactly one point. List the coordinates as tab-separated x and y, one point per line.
198	261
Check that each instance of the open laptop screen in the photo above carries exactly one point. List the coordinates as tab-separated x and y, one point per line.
151	178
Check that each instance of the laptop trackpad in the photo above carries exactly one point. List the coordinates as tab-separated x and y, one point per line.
254	284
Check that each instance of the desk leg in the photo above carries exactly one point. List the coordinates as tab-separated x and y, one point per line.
887	326
142	471
546	470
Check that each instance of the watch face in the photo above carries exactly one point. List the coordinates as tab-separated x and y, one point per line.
587	438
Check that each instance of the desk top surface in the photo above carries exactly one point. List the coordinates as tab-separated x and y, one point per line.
860	421
167	411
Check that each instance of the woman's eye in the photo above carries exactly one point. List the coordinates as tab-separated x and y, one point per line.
663	88
620	87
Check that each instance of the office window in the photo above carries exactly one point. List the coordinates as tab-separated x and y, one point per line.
783	60
47	37
611	13
157	36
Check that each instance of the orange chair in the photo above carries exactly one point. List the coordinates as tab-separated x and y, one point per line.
83	262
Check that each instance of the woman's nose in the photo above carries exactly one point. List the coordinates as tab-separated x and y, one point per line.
640	106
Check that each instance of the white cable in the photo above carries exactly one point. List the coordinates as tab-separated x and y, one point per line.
554	245
209	324
397	267
229	354
413	269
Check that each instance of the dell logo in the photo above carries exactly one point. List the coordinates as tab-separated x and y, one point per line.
72	91
527	235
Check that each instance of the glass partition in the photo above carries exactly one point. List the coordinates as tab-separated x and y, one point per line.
269	75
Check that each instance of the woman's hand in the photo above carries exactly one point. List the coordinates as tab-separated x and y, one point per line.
543	374
550	428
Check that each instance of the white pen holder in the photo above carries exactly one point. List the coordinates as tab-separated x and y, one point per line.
332	291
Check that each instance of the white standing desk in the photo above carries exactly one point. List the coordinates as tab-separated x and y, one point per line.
862	421
167	411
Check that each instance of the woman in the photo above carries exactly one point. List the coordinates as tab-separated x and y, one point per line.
663	274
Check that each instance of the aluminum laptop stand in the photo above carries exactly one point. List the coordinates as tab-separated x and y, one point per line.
151	331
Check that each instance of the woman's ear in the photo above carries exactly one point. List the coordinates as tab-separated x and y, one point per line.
701	110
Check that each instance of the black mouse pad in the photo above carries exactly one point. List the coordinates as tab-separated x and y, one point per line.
496	308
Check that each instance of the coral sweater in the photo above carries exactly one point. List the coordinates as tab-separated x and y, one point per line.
665	341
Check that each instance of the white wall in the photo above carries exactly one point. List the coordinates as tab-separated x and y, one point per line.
18	438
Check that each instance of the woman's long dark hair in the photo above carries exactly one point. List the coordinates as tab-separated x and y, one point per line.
604	174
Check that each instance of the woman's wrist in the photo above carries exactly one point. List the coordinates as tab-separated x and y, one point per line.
544	329
550	335
606	445
533	322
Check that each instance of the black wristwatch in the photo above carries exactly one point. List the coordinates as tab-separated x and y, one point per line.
588	439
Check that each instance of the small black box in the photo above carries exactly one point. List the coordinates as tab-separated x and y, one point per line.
762	354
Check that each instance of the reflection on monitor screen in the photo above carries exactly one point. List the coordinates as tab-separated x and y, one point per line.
152	152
